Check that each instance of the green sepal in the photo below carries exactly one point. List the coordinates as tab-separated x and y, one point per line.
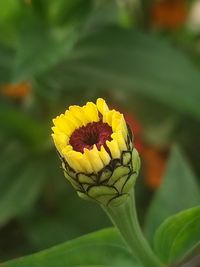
129	183
114	163
63	166
118	173
85	179
136	161
99	190
85	186
73	182
126	157
105	199
72	173
118	200
83	196
130	134
102	193
119	184
105	174
68	169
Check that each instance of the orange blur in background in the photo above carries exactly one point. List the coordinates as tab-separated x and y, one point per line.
16	91
169	14
154	159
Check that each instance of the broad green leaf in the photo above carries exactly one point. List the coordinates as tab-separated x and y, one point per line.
178	235
178	191
21	185
65	219
10	164
16	123
43	33
134	62
41	55
102	248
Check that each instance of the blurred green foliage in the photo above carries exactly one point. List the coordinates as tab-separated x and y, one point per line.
71	52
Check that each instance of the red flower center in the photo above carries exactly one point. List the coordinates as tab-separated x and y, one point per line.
94	133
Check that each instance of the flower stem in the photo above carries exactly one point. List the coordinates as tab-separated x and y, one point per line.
124	217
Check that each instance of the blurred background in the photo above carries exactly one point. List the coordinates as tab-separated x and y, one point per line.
142	56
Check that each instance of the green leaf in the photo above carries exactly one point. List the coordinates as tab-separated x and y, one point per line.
15	123
102	248
40	46
178	235
65	218
20	184
178	191
132	61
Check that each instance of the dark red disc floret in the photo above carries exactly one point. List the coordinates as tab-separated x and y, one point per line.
94	133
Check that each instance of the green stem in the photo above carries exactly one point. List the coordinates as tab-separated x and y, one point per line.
124	217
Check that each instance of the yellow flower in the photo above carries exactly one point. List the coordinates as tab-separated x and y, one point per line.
96	150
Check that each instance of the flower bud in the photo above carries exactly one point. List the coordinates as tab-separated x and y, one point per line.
96	149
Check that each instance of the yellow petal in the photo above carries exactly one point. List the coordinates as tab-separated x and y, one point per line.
94	158
87	164
116	120
61	123
74	159
114	149
77	160
119	124
102	106
60	141
91	112
123	128
56	130
72	120
105	157
120	140
109	117
66	149
79	114
61	138
64	125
